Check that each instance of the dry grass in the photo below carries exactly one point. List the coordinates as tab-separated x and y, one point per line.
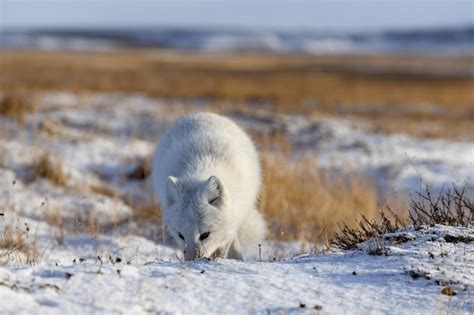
16	106
147	212
2	155
365	229
16	247
289	83
104	190
46	167
301	202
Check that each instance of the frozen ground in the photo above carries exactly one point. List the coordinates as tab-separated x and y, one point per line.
101	139
133	279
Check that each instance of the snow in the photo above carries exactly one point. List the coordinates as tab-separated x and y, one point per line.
381	284
123	267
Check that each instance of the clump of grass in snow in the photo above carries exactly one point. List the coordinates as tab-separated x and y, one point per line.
46	167
452	207
15	246
16	106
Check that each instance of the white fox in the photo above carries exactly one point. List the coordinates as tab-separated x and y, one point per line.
206	175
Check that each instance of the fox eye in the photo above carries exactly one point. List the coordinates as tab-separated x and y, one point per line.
214	201
181	236
203	236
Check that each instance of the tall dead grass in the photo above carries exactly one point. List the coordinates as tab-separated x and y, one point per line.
302	202
16	106
333	85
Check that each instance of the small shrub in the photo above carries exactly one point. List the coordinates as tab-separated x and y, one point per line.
451	207
16	106
348	237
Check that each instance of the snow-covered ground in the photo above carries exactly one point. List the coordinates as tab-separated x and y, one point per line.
100	139
137	276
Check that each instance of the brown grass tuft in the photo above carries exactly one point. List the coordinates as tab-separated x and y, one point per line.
15	246
104	190
48	168
147	212
16	105
301	202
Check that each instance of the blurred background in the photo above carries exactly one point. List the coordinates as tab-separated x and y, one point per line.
353	104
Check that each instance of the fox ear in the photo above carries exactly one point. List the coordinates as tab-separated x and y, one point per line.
214	191
171	190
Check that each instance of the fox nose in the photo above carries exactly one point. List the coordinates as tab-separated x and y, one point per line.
198	253
192	253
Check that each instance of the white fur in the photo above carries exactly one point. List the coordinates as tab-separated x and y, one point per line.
206	175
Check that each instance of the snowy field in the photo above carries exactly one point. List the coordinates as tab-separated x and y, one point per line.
100	139
133	279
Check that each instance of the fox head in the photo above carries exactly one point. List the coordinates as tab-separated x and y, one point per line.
198	216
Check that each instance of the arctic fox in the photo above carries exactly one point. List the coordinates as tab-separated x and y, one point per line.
206	175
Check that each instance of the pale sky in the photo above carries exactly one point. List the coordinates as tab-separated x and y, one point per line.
338	15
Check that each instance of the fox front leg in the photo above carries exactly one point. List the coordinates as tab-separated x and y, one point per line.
233	251
219	253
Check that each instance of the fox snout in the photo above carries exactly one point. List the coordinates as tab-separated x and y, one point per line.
192	253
